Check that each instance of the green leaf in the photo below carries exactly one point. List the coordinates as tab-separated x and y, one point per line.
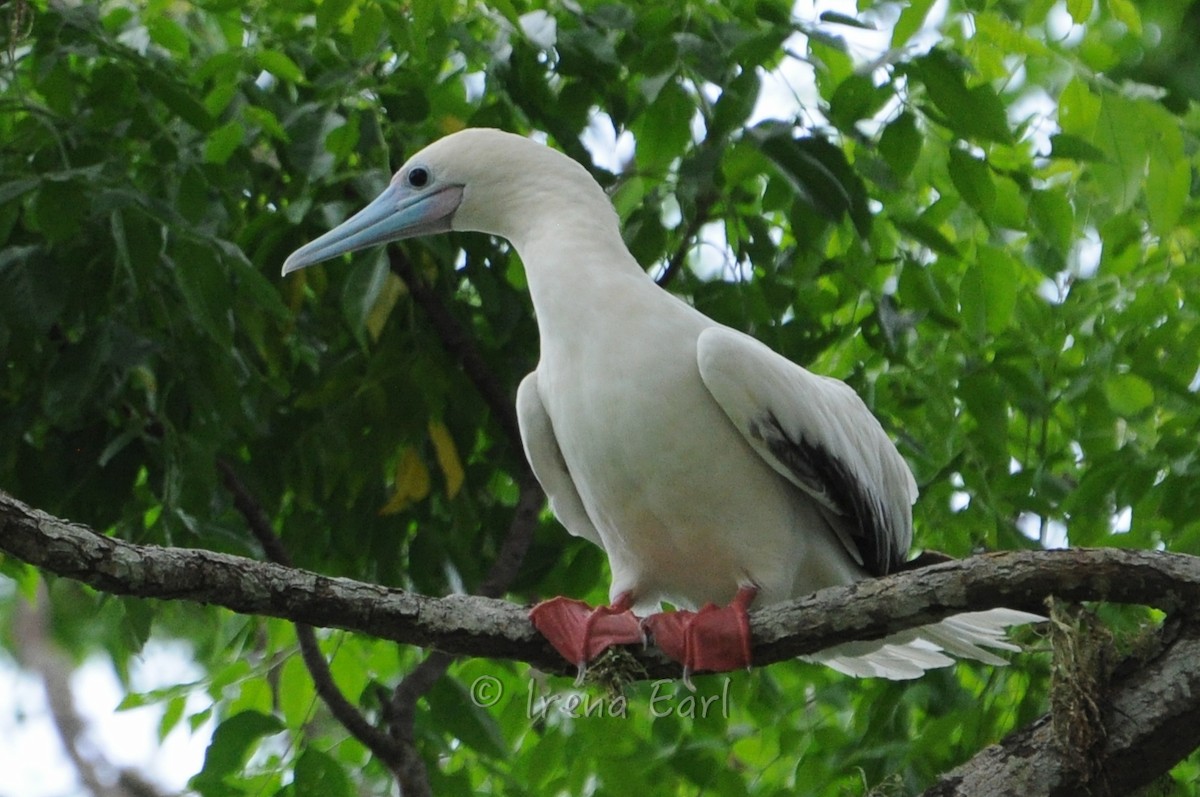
857	97
927	234
983	394
1011	208
1128	394
1122	239
331	12
988	293
971	112
266	120
297	695
1121	135
819	174
342	141
177	98
168	34
1125	12
1054	218
280	65
900	144
460	716
1080	10
911	20
664	130
1169	184
320	775
736	102
201	280
369	30
1065	145
973	179
223	142
232	743
921	291
172	714
59	208
138	616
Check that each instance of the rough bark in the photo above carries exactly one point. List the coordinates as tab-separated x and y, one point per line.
1151	720
1152	714
38	653
485	627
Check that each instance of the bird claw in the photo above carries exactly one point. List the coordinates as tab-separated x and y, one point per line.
580	633
714	639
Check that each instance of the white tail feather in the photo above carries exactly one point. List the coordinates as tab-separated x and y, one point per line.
910	653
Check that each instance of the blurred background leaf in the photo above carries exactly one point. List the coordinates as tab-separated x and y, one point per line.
980	215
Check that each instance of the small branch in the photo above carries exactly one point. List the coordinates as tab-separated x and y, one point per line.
460	343
477	626
422	678
37	652
386	749
679	257
1151	720
414	780
254	514
530	500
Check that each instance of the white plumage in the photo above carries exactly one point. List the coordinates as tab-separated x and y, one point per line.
700	460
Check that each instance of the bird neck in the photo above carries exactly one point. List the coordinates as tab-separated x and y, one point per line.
577	267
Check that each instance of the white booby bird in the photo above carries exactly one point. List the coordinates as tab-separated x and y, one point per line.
710	469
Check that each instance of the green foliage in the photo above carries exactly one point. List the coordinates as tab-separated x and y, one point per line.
994	241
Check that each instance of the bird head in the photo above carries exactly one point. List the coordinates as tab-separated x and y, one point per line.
477	179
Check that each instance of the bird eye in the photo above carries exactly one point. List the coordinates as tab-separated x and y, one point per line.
418	177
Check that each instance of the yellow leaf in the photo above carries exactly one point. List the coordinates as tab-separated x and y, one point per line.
451	124
412	482
393	288
447	457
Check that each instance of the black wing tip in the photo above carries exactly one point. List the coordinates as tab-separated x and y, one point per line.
817	466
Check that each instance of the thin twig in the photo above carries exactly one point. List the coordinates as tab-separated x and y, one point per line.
394	755
503	571
460	344
679	257
501	574
458	341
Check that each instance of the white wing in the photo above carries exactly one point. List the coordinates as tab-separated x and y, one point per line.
819	435
910	653
542	451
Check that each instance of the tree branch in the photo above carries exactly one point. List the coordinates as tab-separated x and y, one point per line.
394	755
1151	720
484	627
679	256
1152	715
422	678
459	342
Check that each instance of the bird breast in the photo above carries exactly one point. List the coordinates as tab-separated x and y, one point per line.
686	510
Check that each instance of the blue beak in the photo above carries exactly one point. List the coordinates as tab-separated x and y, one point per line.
399	212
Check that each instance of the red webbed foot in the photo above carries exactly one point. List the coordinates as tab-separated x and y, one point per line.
581	633
714	639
